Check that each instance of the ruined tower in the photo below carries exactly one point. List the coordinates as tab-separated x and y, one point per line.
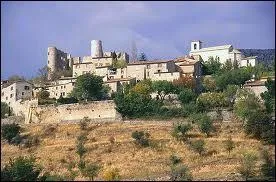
96	48
52	61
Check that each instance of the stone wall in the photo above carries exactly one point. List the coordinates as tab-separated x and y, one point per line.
224	115
96	111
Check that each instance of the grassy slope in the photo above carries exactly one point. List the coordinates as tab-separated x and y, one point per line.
132	161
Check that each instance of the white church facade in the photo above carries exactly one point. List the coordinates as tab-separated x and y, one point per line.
223	53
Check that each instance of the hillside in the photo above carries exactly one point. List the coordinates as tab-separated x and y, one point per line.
134	163
265	56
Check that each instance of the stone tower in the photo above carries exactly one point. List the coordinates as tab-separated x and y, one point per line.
96	48
196	45
52	61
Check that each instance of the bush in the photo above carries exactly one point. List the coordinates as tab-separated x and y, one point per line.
21	169
80	149
229	145
141	138
175	159
247	166
180	130
186	96
83	123
9	131
112	175
65	100
268	166
180	173
211	100
91	171
43	94
5	110
204	122
198	146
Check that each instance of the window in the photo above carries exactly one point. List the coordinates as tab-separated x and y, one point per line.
101	64
27	88
56	94
122	76
195	46
64	86
11	88
48	54
48	61
9	103
22	93
61	87
218	58
159	65
148	66
63	93
148	74
6	98
11	95
56	88
158	71
73	84
96	64
2	94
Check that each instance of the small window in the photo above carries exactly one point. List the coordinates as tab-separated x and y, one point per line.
159	65
6	98
61	87
158	71
148	66
48	54
11	88
9	103
11	95
63	93
64	86
23	93
2	94
48	61
27	88
122	76
195	46
73	84
101	64
56	94
148	74
96	64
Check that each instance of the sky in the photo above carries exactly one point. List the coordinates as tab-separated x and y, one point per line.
162	30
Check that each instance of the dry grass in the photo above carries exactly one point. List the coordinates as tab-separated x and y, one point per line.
132	161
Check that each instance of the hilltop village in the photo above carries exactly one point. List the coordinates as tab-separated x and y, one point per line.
102	64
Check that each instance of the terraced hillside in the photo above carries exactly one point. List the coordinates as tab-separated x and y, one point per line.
57	147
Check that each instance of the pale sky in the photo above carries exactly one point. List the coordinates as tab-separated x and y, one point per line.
163	30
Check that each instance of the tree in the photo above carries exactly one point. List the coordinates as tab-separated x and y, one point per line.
91	171
206	125
184	82
21	169
143	57
198	146
163	88
211	100
227	66
268	166
229	145
43	94
247	166
88	87
9	131
4	109
230	93
143	88
212	66
180	130
181	173
186	96
209	84
269	95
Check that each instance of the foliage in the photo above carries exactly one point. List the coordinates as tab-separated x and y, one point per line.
163	88
209	84
21	169
268	166
232	77
88	87
186	96
180	173
143	57
141	138
246	104
180	130
184	82
135	105
9	131
143	88
83	123
198	146
91	171
269	95
229	145
119	64
80	149
175	159
227	66
212	66
112	175
43	94
247	166
230	93
205	124
69	100
5	110
211	100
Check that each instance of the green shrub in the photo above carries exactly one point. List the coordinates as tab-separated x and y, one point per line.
141	138
268	166
83	123
91	171
9	131
229	145
21	169
175	159
186	96
203	121
5	110
180	130
247	166
180	173
66	100
198	146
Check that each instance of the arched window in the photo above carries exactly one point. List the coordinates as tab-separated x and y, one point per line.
195	47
